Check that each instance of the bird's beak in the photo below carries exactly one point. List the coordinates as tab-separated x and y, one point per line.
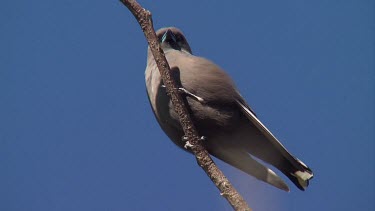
169	37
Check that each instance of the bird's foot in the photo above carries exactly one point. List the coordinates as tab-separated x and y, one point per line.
187	142
185	138
188	145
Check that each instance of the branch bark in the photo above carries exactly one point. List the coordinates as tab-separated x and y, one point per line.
143	17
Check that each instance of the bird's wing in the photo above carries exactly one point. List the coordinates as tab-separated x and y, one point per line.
267	133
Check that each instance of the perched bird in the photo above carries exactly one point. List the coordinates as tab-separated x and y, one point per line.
233	132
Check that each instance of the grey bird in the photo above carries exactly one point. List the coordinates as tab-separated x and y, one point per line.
233	132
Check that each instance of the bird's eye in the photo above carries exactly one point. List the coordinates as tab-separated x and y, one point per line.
180	38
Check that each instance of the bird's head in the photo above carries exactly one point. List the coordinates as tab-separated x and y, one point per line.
173	38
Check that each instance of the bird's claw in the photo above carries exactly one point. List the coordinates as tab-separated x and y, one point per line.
203	138
187	142
188	145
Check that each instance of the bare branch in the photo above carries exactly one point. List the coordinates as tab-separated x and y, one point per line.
143	17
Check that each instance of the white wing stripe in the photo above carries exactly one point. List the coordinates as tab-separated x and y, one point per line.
260	125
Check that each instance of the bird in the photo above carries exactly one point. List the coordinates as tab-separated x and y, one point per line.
231	129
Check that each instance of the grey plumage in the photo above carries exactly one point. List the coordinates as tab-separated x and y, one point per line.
220	113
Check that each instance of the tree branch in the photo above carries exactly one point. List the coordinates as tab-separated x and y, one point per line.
143	17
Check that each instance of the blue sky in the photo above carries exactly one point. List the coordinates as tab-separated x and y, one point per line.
77	131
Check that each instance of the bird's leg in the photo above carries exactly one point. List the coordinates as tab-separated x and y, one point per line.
185	91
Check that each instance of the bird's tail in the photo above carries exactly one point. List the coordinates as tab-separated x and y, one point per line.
292	167
299	174
243	161
289	165
264	145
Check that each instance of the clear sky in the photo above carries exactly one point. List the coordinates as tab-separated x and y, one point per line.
77	131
